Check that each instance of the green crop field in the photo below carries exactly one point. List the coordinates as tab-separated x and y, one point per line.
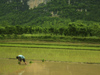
77	47
52	51
51	54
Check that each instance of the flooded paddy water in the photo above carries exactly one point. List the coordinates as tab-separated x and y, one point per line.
62	68
10	67
49	68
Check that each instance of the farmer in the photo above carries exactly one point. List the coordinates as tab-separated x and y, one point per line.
20	58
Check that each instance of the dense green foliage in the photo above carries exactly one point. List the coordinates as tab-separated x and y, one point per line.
15	12
77	17
72	29
71	33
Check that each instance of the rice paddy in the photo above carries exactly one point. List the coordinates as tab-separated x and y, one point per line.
9	67
48	51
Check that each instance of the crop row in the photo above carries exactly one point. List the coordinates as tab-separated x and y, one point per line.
75	47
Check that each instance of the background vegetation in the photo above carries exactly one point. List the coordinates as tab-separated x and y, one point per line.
60	18
15	12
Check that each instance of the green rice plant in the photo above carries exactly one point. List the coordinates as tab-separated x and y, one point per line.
30	62
43	60
51	54
75	47
18	62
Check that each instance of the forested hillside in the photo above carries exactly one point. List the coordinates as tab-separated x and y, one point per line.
74	17
17	12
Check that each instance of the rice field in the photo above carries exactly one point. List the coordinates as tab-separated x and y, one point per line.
49	51
9	67
51	54
73	52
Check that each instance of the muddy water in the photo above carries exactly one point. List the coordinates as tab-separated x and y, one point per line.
61	68
10	67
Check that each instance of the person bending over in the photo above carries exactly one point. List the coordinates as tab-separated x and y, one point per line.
20	58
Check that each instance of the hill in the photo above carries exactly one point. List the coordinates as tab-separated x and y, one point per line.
17	12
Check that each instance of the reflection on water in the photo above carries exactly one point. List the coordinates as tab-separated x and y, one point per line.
62	68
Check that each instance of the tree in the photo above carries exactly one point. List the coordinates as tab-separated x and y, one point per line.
51	30
61	31
19	30
72	29
45	30
66	32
